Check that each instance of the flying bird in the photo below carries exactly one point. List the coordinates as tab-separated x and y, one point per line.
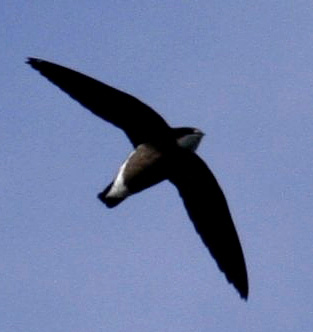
160	153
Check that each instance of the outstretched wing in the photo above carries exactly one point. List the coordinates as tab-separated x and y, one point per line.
140	122
207	208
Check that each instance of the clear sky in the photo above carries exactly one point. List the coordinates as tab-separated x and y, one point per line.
240	71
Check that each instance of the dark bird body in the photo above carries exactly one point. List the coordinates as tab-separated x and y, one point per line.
160	153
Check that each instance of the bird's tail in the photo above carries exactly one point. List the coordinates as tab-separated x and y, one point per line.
109	201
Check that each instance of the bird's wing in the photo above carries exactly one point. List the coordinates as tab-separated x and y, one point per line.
140	122
207	208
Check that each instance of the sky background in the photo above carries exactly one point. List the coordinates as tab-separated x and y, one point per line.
240	71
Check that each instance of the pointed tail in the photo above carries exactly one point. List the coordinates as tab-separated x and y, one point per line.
109	201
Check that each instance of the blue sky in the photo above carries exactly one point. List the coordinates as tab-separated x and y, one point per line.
241	72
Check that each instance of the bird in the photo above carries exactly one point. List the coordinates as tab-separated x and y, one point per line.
160	152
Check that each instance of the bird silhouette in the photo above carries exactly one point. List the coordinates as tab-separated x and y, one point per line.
160	153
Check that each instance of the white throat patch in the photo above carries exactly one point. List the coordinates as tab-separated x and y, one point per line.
190	142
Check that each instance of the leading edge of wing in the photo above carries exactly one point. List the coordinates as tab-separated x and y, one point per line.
140	122
207	208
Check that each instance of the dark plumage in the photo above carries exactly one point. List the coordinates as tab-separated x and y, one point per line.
161	153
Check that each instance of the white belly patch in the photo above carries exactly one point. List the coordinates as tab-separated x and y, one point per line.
118	188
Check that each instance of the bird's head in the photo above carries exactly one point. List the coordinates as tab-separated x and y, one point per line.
188	138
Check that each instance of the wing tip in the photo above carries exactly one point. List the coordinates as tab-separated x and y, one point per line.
244	294
33	62
242	287
238	277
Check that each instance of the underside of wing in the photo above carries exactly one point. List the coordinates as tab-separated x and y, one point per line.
140	122
207	208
